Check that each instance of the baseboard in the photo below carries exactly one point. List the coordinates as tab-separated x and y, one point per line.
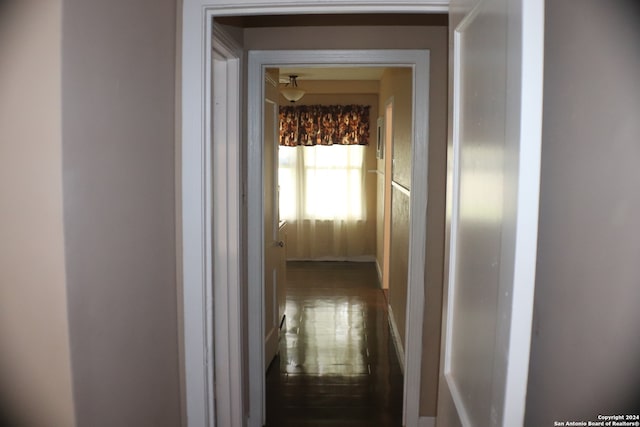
379	270
427	422
360	258
271	344
397	342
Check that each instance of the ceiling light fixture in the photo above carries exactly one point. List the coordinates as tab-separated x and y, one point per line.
291	92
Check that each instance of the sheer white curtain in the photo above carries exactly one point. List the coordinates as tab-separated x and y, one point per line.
322	197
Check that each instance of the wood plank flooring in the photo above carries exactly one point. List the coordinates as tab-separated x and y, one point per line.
337	365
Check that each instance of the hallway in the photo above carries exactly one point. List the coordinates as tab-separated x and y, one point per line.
337	363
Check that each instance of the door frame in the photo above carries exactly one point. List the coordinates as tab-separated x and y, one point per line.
258	61
524	77
206	314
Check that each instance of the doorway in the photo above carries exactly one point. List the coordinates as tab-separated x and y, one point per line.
418	61
231	258
338	359
522	64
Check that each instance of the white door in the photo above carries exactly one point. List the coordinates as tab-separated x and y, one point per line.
273	248
492	208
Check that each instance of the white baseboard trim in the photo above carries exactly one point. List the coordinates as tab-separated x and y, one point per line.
379	270
427	422
395	335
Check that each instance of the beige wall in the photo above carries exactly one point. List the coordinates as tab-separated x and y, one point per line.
585	342
436	195
178	210
354	37
380	229
35	372
119	210
397	83
396	86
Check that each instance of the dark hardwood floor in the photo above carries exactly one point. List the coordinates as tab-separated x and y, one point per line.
337	365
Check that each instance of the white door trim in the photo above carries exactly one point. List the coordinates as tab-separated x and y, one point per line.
226	238
529	68
212	309
525	55
454	221
199	255
258	61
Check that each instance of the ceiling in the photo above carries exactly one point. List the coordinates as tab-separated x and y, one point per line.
332	73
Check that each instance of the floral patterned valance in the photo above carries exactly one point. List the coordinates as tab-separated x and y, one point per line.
324	125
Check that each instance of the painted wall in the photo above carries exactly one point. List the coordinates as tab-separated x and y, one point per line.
118	101
396	84
436	207
380	210
338	37
35	371
585	340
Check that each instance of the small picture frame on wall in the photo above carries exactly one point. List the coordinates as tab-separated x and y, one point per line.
380	139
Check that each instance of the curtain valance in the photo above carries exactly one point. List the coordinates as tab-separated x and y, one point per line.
324	125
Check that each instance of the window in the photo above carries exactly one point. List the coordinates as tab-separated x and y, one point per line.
322	182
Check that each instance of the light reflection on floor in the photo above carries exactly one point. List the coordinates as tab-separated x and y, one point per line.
326	339
337	365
